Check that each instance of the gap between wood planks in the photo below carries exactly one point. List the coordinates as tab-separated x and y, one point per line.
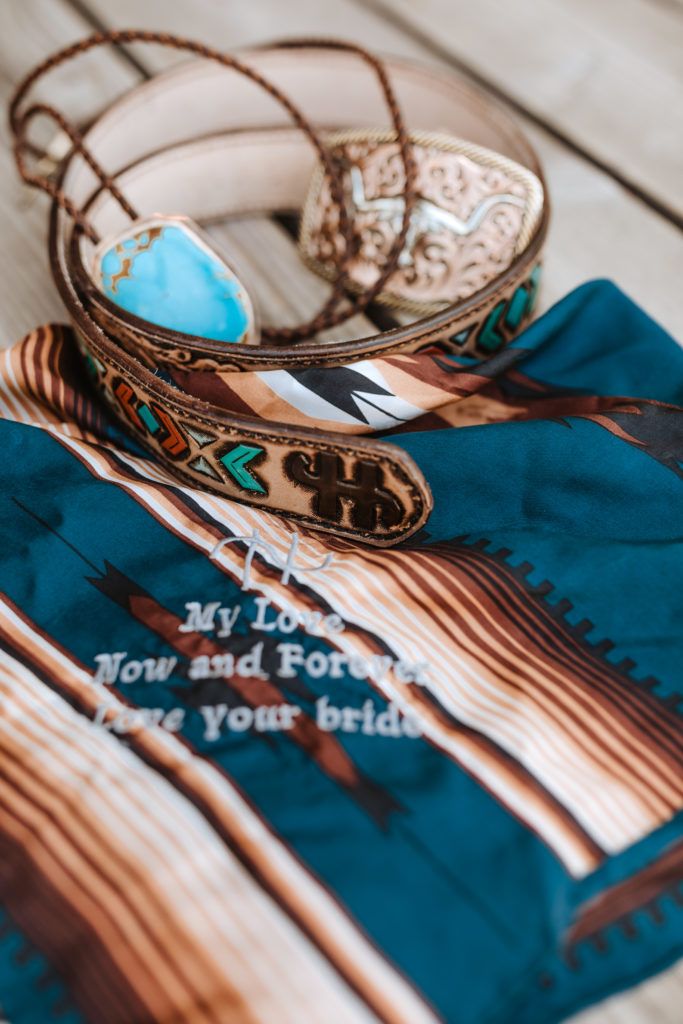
92	18
443	53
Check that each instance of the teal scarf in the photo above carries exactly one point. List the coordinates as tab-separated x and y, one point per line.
439	781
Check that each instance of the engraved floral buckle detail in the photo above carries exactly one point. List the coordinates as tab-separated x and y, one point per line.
476	211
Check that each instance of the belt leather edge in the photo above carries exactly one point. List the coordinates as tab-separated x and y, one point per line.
172	348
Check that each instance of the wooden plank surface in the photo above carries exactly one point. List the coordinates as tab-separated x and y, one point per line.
288	291
600	228
597	229
607	73
28	31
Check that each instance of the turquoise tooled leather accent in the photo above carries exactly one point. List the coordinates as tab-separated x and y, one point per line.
235	462
490	338
505	320
148	418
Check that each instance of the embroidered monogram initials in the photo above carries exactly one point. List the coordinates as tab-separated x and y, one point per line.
372	505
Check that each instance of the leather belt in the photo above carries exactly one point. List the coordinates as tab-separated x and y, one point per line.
202	141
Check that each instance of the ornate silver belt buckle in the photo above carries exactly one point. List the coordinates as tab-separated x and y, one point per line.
476	211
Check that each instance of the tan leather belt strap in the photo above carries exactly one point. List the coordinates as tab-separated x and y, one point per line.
202	141
236	172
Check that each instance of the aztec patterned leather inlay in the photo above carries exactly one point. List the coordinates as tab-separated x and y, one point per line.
354	487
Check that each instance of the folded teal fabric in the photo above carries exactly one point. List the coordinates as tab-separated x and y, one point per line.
249	773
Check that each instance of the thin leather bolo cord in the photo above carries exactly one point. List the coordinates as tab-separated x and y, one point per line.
330	314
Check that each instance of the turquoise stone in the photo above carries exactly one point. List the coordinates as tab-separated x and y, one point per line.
164	273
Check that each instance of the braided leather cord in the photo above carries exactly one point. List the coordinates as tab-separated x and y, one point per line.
331	313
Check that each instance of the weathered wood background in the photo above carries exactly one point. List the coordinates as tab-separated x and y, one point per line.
598	85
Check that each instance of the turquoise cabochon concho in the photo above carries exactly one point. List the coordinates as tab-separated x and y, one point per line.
162	270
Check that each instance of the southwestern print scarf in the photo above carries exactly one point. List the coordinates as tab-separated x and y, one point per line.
253	774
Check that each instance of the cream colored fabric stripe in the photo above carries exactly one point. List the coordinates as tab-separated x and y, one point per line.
285	969
19	389
15	403
199	930
114	831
